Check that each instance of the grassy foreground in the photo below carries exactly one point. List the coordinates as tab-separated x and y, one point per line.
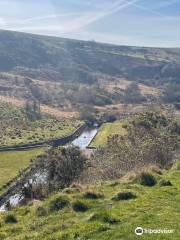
95	212
12	162
108	130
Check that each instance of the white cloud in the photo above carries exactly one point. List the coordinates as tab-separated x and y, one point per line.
131	28
65	23
74	22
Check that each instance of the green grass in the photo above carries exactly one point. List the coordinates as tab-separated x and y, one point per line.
108	130
17	129
154	207
39	131
12	162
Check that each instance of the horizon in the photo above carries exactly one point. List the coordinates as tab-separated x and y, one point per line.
136	22
90	40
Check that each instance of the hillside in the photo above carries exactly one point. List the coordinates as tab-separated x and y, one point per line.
69	74
27	125
130	181
68	58
129	96
107	210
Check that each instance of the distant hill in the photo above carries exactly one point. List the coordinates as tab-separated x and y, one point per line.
68	58
49	68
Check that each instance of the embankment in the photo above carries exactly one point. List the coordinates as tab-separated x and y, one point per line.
52	142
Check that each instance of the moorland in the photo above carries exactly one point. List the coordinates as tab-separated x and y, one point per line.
129	174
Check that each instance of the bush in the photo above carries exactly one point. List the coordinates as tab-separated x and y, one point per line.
80	206
164	183
147	179
124	196
63	166
10	219
58	202
40	211
103	216
92	195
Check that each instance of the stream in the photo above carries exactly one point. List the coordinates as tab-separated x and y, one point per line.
82	141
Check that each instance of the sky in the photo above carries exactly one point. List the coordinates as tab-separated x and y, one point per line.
124	22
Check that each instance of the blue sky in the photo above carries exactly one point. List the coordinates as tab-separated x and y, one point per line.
124	22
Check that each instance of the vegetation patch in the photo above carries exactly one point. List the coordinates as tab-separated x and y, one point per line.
80	206
151	140
10	218
58	202
124	196
92	195
40	211
165	183
104	216
146	179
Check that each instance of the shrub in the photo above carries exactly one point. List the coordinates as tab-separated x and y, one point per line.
92	195
40	211
164	183
63	166
10	218
79	206
58	202
124	196
103	216
146	179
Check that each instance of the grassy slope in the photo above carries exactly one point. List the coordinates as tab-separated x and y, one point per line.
12	162
15	129
154	207
108	130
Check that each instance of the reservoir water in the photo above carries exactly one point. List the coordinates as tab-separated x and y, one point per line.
85	138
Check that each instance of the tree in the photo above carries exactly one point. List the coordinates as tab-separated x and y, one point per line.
132	94
87	113
32	110
172	93
62	166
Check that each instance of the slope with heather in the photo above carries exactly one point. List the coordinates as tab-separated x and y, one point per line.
70	74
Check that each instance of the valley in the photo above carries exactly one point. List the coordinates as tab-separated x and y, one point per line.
89	139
